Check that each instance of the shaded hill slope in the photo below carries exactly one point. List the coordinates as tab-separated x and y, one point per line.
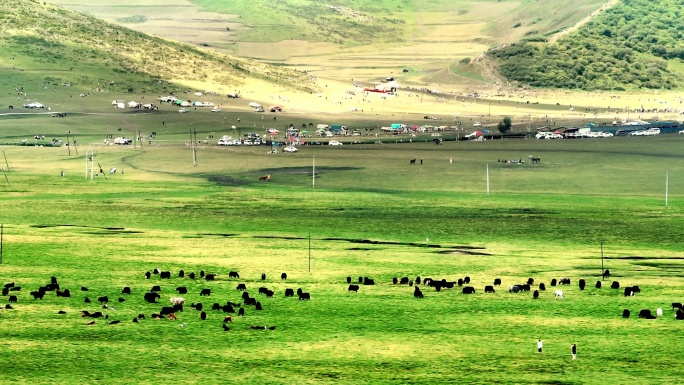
635	44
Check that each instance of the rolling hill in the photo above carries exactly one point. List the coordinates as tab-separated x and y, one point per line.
46	43
634	45
364	40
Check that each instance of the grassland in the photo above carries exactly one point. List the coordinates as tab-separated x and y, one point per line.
543	221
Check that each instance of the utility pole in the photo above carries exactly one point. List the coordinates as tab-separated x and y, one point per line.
602	269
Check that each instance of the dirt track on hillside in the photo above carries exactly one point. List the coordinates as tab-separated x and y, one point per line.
582	22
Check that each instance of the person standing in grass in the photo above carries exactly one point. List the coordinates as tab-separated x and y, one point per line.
573	348
540	345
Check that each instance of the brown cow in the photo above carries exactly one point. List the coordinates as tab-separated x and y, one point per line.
228	319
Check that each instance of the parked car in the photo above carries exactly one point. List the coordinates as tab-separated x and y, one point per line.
334	143
290	149
247	142
215	109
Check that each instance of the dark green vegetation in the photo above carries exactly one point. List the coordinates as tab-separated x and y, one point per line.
371	214
635	44
65	47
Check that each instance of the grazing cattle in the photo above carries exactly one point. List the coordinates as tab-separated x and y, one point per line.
395	280
126	290
172	317
203	316
582	284
427	281
181	274
12	299
404	281
198	306
104	299
263	290
182	290
177	301
61	312
676	305
466	280
121	299
90	323
201	274
679	315
258	327
289	293
659	312
530	281
258	306
645	313
148	275
156	288
205	292
152	297
514	289
360	279
86	300
606	273
305	296
468	290
15	288
141	316
227	319
177	307
460	282
559	294
417	293
5	291
636	289
245	294
535	295
225	328
598	284
241	312
368	281
270	294
626	313
542	287
253	301
52	286
348	279
412	161
411	283
165	275
564	281
553	282
8	307
216	306
166	310
418	280
228	309
283	276
192	275
66	293
83	288
525	287
53	280
615	285
263	276
39	294
489	289
354	288
210	277
114	322
629	292
241	286
233	274
299	291
497	281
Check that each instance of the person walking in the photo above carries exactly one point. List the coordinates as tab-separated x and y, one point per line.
573	348
540	345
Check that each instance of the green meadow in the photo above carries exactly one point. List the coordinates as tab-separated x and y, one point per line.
367	213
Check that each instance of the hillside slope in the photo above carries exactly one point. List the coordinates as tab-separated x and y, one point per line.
635	44
69	47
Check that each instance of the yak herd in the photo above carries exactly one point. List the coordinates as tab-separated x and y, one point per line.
177	303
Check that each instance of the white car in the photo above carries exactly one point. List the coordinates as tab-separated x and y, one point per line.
290	149
334	143
681	132
247	142
215	109
183	110
477	124
273	131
